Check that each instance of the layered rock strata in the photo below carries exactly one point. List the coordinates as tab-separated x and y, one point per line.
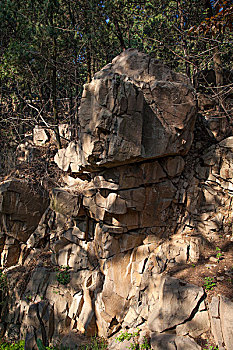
134	109
141	207
21	208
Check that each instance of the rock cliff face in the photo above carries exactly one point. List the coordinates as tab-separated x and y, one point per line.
134	109
21	208
139	207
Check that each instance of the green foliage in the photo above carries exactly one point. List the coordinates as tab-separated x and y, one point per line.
3	282
134	345
211	347
219	254
71	40
63	275
40	344
42	347
126	336
14	346
209	283
20	346
145	345
3	291
96	344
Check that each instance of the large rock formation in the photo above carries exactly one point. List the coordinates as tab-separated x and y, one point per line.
141	208
134	109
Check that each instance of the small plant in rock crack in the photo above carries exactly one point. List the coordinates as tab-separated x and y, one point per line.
219	254
209	283
3	288
96	344
133	336
146	344
126	336
63	275
29	297
211	347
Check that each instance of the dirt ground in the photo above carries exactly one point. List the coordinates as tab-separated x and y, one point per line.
215	264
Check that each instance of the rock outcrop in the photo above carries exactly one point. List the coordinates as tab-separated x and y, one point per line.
134	109
98	260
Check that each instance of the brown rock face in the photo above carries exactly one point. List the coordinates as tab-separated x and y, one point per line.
21	209
175	304
172	342
134	109
221	315
104	256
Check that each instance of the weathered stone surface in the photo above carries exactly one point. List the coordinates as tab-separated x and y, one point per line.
11	252
40	137
216	322
65	131
173	342
175	304
40	322
198	325
227	143
21	208
44	135
42	231
109	242
126	116
69	157
130	176
158	198
113	345
115	204
226	316
140	209
112	271
134	198
73	340
178	250
65	202
221	321
173	165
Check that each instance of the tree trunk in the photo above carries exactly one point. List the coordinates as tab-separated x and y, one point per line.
119	32
88	62
184	42
76	121
218	69
54	92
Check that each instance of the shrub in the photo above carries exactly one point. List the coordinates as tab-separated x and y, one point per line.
14	346
3	284
209	283
134	345
211	347
63	275
96	344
